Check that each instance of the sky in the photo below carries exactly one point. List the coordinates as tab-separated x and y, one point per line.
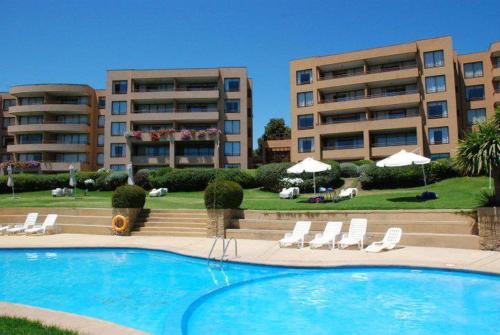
77	41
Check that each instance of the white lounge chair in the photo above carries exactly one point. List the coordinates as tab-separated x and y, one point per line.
356	234
49	223
58	192
289	193
332	230
350	192
30	222
297	236
158	192
391	239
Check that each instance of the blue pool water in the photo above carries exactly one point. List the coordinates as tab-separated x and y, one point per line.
164	293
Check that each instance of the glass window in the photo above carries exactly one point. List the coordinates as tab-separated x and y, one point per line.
306	144
102	102
117	167
348	142
475	92
391	139
8	121
304	77
435	84
117	149
435	157
35	119
305	99
8	103
30	157
30	139
195	149
100	158
118	128
100	140
118	107
101	121
434	58
31	101
73	119
305	121
438	135
472	70
120	87
154	108
152	150
232	106
72	138
232	126
232	166
231	84
69	157
477	115
78	100
232	148
437	109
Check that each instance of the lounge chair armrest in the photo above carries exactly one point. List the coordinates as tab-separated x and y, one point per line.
318	235
344	235
288	235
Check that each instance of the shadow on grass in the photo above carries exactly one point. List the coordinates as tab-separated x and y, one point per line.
408	199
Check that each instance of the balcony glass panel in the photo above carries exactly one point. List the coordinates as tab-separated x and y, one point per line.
26	157
392	139
346	142
30	139
36	119
154	108
72	138
151	150
31	101
68	157
73	119
80	100
154	87
195	149
357	117
154	126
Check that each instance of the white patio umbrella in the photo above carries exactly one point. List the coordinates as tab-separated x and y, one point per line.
404	158
72	178
10	180
309	165
130	172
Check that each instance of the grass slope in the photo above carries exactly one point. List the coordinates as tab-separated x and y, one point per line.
20	326
455	193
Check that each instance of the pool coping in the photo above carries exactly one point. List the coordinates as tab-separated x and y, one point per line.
82	324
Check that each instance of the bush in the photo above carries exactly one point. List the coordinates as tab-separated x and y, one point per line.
114	180
84	175
363	162
128	196
362	168
444	168
348	170
35	182
222	193
141	179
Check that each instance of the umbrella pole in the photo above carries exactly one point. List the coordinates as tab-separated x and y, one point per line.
13	193
425	179
314	183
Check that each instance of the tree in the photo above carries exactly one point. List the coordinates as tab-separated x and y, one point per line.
479	152
276	128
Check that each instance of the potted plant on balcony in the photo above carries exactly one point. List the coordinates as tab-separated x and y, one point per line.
186	134
213	131
201	133
155	135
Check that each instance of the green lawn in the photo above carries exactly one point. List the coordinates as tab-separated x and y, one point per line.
19	326
453	193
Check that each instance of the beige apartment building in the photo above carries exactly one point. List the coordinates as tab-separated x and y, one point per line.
150	118
368	104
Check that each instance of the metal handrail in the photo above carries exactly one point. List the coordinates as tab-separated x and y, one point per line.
213	247
227	246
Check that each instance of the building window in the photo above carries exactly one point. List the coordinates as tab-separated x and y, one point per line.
118	107
100	140
339	143
475	92
117	149
100	158
8	121
473	70
154	108
152	150
30	157
232	148
232	166
120	87
304	77
118	128
232	106
477	115
434	59
72	138
232	126
31	101
435	157
437	109
101	121
392	139
71	157
34	119
231	84
435	84
306	144
73	119
117	167
30	139
305	99
102	102
8	103
438	135
305	121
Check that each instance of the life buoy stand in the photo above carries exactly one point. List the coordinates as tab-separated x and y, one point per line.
119	223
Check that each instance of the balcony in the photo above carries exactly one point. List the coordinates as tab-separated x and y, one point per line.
50	108
345	153
392	74
209	93
48	147
177	137
48	126
393	100
371	124
194	160
379	151
495	72
150	160
209	115
496	95
52	89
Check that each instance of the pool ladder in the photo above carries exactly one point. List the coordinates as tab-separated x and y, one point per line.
225	246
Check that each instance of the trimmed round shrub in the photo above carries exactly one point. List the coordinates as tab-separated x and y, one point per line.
269	177
363	168
222	193
141	179
363	162
114	180
348	170
128	196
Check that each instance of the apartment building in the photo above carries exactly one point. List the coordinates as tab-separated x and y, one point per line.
369	104
150	118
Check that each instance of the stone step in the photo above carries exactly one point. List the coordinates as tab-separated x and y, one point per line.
444	227
172	224
174	211
171	229
464	241
163	233
173	219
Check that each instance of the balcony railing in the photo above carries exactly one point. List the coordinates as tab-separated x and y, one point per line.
277	137
174	89
371	96
54	122
393	144
180	110
343	147
330	75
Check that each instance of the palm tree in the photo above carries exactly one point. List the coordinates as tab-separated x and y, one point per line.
479	152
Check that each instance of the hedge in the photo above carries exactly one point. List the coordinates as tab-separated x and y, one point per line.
128	196
222	193
348	170
269	177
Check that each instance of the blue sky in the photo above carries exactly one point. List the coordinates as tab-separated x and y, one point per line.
77	41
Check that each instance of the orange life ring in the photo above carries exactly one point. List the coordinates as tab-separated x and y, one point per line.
119	223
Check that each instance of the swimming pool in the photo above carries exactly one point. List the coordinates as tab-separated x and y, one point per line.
165	293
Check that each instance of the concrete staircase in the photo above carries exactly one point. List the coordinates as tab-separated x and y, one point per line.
164	222
451	229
